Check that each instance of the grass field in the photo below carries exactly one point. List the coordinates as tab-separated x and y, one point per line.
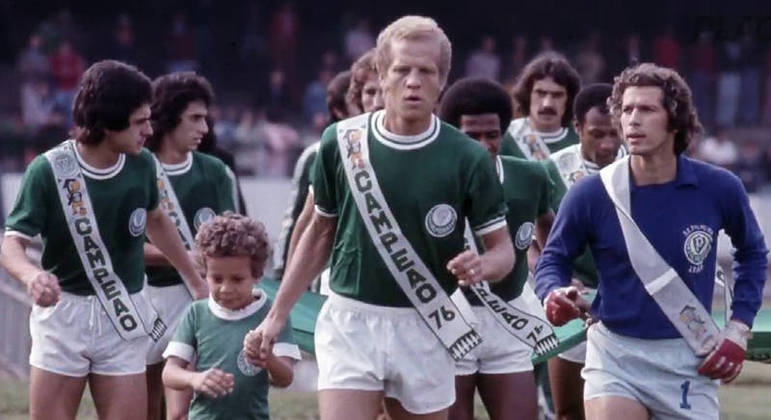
749	398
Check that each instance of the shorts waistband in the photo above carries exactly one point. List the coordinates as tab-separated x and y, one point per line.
653	343
86	299
359	306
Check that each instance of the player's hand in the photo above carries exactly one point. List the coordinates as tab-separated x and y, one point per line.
466	267
565	304
213	382
197	263
44	289
726	359
258	343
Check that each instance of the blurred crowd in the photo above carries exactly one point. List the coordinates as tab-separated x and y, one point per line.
271	95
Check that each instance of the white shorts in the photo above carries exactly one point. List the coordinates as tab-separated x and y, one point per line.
171	302
75	337
376	348
659	374
575	354
500	352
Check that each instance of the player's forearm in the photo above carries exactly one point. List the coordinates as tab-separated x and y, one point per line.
176	376
154	256
14	258
533	254
750	271
312	254
498	259
300	226
163	234
280	371
542	228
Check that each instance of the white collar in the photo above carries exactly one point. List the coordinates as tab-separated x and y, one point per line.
97	173
234	315
402	142
178	168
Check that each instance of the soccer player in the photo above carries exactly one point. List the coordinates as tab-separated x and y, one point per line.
393	190
300	206
193	187
364	93
92	199
600	146
545	93
651	221
500	367
233	250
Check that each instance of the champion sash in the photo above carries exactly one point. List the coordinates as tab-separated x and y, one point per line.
410	272
96	261
170	205
530	144
570	165
527	328
661	281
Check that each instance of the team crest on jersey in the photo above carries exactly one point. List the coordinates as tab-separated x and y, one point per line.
692	320
440	220
524	235
65	164
137	221
203	215
698	244
245	367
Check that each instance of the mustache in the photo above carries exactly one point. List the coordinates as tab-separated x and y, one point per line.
547	111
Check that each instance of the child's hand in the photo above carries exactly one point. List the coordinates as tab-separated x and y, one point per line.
213	382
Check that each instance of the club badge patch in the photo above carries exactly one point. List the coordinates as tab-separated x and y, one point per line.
697	245
441	220
524	235
137	221
203	215
65	164
245	367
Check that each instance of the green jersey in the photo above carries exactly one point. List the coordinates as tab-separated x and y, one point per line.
521	128
432	182
527	191
204	187
301	182
121	196
215	336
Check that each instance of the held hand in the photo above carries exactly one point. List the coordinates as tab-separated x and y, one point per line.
44	289
565	304
466	267
726	359
200	291
212	382
258	343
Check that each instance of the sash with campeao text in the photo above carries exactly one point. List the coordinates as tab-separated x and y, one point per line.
535	332
170	205
530	144
661	281
96	261
410	272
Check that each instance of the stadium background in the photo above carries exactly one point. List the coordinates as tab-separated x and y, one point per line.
266	119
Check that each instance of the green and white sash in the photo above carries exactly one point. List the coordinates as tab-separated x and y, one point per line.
411	274
530	144
570	165
661	281
170	205
525	327
97	264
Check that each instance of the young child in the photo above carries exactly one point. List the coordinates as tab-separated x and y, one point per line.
233	250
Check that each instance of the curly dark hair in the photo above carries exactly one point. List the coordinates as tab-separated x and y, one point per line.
171	95
474	96
336	91
681	114
545	65
233	235
109	92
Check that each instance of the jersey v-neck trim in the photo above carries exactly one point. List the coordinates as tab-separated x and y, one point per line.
499	168
176	169
96	173
549	137
235	315
402	142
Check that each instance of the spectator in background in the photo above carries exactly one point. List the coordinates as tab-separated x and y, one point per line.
545	45
516	61
484	62
358	40
124	47
589	62
33	67
749	165
281	142
32	62
719	150
666	49
728	84
248	136
702	64
315	98
767	105
277	96
633	51
253	52
282	43
181	45
66	69
751	63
